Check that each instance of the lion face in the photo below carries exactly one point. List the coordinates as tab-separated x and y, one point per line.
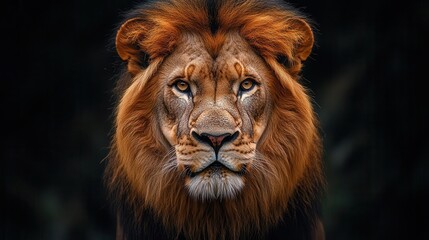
213	111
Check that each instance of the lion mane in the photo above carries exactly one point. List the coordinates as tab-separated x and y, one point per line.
150	203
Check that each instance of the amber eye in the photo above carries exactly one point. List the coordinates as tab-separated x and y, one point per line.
182	86
247	85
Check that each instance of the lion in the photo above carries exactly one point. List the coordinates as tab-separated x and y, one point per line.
215	137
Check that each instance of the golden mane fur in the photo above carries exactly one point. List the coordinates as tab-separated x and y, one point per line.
290	144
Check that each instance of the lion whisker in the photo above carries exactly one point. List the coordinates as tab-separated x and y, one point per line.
170	162
264	166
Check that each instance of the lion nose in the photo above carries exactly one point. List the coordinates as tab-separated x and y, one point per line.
215	141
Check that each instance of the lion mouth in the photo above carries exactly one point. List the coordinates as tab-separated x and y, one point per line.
216	168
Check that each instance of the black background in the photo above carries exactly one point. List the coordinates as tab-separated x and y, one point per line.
367	76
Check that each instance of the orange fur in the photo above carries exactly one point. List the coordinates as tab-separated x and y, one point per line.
291	142
272	32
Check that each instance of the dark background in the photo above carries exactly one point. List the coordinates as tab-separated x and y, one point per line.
367	76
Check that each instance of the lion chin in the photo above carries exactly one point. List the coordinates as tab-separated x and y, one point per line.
216	182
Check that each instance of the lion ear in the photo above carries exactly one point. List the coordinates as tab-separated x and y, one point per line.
129	40
301	39
305	39
288	40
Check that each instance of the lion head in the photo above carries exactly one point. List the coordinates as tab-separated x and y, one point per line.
215	137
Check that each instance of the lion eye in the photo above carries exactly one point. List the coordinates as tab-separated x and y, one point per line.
182	86
247	85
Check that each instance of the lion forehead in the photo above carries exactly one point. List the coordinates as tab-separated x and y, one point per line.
195	60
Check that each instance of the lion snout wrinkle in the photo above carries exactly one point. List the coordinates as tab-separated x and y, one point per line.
215	122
